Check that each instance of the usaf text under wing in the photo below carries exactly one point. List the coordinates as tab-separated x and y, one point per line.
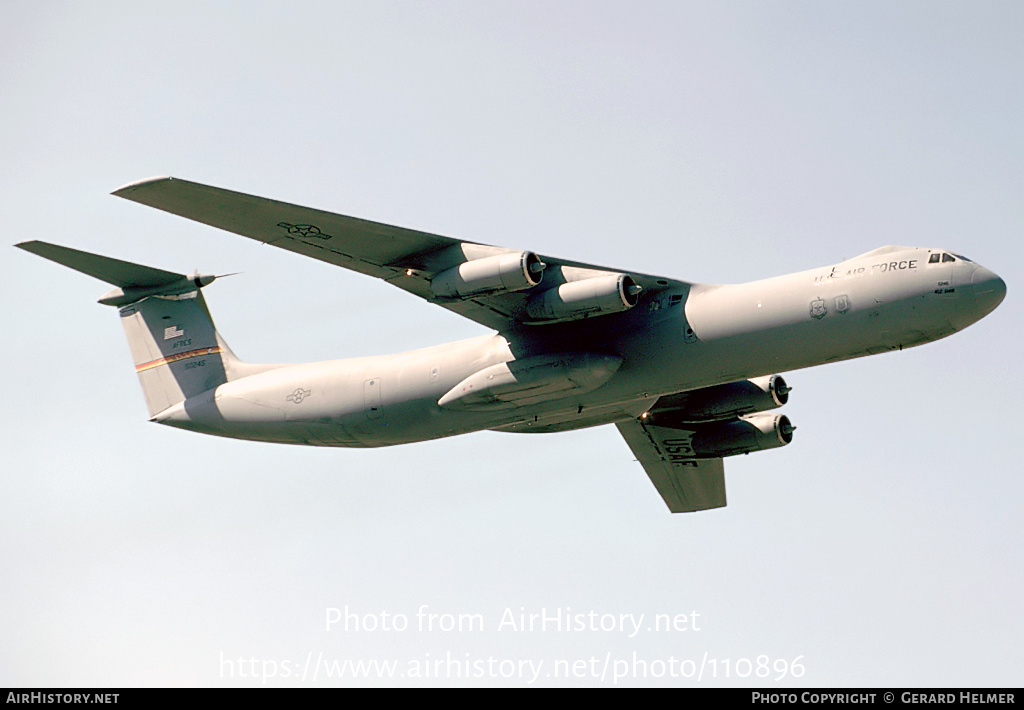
685	483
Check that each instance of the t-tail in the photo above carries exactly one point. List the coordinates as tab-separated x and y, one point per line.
178	352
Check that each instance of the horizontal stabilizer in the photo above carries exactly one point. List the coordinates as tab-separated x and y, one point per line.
114	271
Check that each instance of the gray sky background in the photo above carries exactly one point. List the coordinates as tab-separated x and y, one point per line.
716	142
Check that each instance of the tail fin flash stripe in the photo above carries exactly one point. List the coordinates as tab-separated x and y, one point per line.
177	357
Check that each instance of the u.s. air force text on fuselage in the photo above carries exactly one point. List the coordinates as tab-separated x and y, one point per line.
686	371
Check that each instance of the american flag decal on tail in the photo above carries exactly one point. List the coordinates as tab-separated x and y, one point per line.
173	332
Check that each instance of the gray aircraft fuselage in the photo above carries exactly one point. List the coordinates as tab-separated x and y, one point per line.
554	377
687	372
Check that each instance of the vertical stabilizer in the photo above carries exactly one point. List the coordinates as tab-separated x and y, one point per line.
175	346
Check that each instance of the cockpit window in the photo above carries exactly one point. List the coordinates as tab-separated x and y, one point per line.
947	257
934	258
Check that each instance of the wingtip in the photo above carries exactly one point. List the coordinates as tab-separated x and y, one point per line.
124	189
32	245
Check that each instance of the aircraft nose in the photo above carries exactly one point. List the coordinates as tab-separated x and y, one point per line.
989	290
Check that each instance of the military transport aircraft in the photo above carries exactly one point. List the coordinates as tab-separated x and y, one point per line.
684	370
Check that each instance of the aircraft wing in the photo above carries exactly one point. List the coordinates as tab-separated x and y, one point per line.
685	483
406	258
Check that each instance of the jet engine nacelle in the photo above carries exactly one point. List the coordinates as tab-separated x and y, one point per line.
587	297
712	404
504	272
754	432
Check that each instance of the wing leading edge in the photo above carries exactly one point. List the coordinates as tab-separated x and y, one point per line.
406	258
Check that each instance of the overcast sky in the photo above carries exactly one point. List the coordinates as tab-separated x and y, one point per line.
714	142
